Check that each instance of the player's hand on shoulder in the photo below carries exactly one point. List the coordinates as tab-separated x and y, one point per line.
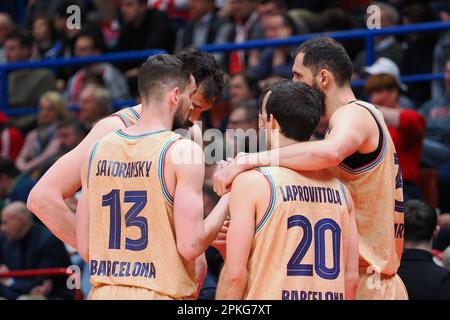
223	178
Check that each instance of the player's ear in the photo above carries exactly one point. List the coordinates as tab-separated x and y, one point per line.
174	97
273	122
325	77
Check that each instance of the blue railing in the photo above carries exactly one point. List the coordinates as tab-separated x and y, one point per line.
366	34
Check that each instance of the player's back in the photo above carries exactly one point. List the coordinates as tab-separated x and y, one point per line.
131	235
299	249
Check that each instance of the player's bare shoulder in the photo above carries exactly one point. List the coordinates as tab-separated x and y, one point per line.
185	152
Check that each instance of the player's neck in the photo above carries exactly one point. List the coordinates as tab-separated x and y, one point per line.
281	141
336	98
152	119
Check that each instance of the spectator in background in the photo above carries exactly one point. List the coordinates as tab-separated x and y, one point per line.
437	135
50	7
268	8
89	44
407	127
46	45
386	46
70	132
11	139
25	86
203	27
95	104
276	61
243	87
242	129
177	10
418	57
446	258
440	53
41	143
246	26
143	28
27	245
336	19
6	27
14	185
422	277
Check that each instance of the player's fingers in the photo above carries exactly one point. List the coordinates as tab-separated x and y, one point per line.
216	184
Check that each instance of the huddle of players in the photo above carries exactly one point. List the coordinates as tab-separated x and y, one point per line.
140	220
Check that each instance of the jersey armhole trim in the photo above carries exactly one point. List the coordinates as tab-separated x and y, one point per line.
122	118
134	113
378	159
91	158
341	187
271	206
161	166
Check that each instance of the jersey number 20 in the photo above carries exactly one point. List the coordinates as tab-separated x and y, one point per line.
132	219
295	268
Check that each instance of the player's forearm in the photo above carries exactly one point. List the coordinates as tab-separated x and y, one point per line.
231	284
50	208
214	222
201	269
351	284
315	155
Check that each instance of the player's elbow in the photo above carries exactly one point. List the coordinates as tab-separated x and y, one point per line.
334	156
36	201
188	250
236	276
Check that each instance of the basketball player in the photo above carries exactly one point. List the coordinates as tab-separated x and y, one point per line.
359	151
150	180
294	235
62	180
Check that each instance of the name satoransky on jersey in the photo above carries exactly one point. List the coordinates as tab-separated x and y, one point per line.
134	169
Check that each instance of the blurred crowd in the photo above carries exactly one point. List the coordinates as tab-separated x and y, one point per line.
70	100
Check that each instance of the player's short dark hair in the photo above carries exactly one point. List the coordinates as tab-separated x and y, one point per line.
326	53
24	38
205	69
159	71
297	107
420	220
8	168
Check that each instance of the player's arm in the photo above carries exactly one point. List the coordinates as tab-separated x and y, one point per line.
193	233
82	215
61	181
351	270
350	129
234	275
